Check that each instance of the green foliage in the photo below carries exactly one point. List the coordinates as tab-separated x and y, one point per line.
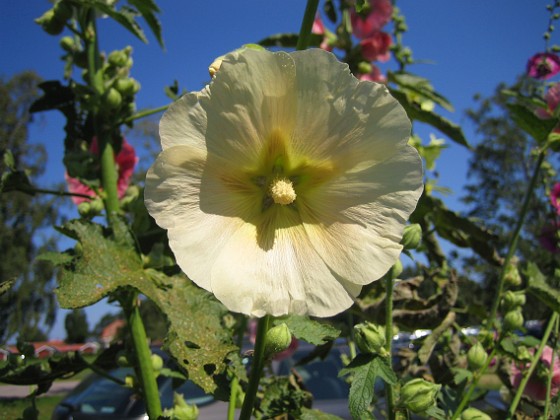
281	397
538	286
312	331
77	329
103	264
365	370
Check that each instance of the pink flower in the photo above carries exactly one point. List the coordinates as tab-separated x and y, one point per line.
126	160
319	29
379	15
376	47
536	387
552	99
374	75
543	65
555	197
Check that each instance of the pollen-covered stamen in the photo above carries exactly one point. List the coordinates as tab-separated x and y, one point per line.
282	191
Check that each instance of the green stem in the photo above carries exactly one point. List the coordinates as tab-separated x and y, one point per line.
144	363
109	178
515	237
307	24
534	362
233	398
389	392
551	372
476	377
144	113
256	369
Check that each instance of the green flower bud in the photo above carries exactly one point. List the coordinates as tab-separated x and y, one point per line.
122	359
474	414
364	67
511	276
513	320
67	44
370	338
396	269
127	86
412	236
477	356
523	353
113	99
129	381
97	206
50	23
118	58
63	10
84	208
418	395
508	301
157	362
277	339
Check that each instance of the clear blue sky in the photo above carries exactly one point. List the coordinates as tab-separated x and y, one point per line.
473	45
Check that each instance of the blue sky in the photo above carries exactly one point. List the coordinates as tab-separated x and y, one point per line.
473	45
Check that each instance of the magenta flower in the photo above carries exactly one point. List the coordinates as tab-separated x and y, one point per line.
543	65
379	15
555	197
126	160
376	47
536	387
552	99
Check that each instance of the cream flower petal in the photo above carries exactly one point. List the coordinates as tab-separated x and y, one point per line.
184	122
366	212
251	98
290	277
176	185
341	118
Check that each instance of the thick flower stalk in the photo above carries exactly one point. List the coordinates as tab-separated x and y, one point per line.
125	160
285	184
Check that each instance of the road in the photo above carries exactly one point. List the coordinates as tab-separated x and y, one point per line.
18	391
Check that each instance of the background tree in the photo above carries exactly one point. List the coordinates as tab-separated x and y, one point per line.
499	172
30	301
77	328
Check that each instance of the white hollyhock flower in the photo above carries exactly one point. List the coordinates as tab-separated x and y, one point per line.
285	184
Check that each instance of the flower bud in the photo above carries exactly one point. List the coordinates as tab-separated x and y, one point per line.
513	320
67	43
364	67
122	359
62	10
418	395
523	353
157	362
84	208
396	269
476	356
113	99
50	23
511	276
127	86
129	381
474	414
118	58
412	236
370	338
277	339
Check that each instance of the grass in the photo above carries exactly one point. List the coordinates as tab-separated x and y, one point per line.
12	408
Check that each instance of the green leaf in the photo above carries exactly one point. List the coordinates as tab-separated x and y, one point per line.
16	181
6	285
56	258
309	330
309	414
365	369
126	16
452	130
289	40
107	260
420	86
148	9
430	342
526	119
56	96
540	288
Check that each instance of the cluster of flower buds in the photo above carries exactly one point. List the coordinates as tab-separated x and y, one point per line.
512	303
370	338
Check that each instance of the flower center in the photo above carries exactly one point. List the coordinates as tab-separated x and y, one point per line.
282	191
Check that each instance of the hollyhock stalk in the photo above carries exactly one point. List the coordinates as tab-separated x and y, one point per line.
109	179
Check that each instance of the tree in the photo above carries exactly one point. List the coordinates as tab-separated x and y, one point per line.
77	328
499	173
30	301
